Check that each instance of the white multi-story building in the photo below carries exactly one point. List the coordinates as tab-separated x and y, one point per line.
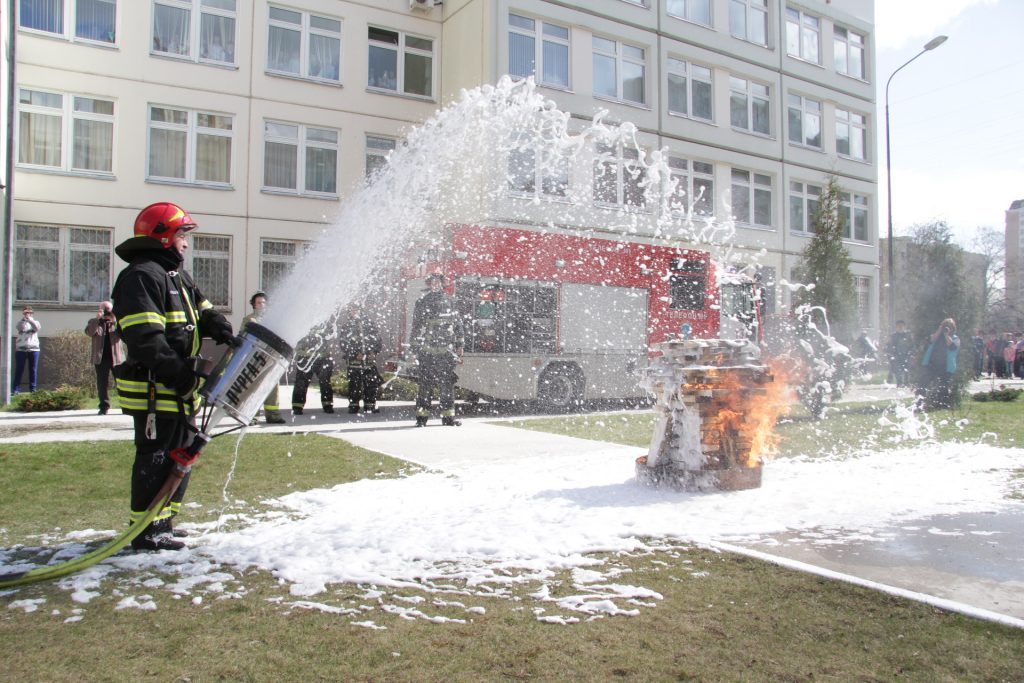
260	117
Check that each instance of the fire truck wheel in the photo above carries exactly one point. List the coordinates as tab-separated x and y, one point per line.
560	388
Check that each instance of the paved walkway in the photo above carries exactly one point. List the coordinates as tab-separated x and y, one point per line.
951	557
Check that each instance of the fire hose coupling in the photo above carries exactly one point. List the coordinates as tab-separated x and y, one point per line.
184	456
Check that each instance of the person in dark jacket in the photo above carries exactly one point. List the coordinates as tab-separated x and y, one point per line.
313	358
437	339
162	317
360	343
899	349
106	349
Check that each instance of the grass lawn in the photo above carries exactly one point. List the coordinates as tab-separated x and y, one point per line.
721	617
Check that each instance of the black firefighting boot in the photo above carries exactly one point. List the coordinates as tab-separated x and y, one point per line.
353	408
328	408
296	410
371	408
421	420
450	421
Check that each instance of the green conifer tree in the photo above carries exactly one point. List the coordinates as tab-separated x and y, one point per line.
826	264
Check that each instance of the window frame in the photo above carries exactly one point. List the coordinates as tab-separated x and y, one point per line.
69	24
689	174
302	144
64	248
848	118
195	251
805	111
675	66
851	208
750	97
195	29
750	8
301	248
192	130
623	159
402	50
522	163
809	197
754	183
800	26
379	152
691	8
620	59
847	46
539	62
306	32
68	117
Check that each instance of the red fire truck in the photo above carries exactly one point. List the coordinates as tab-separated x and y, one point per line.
564	318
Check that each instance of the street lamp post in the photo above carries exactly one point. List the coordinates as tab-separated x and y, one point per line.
930	45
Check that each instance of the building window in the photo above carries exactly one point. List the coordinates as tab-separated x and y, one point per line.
300	159
46	120
804	202
619	177
863	286
851	134
619	70
211	39
277	258
688	284
854	208
90	19
802	35
189	146
208	260
303	44
749	106
528	171
689	89
378	149
62	264
848	47
697	11
752	198
748	20
804	121
694	187
401	63
551	52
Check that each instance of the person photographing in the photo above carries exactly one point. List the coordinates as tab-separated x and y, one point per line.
939	364
106	350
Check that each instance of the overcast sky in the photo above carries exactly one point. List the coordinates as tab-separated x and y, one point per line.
955	113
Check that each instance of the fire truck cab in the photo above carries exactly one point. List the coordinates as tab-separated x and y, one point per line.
565	318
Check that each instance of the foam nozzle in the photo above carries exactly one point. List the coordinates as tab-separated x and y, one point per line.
243	377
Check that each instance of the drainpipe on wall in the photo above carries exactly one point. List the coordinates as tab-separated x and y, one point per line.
7	248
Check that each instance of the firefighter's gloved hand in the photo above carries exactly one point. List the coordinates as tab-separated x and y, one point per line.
217	327
234	341
186	383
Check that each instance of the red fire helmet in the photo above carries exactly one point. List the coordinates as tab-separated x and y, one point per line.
162	221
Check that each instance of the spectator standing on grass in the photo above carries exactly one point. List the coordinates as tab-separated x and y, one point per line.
1009	355
1019	361
977	354
106	350
939	363
26	349
899	349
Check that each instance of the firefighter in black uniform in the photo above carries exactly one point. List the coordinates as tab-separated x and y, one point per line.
313	358
360	343
437	338
162	316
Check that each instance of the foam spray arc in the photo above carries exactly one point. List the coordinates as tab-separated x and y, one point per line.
234	388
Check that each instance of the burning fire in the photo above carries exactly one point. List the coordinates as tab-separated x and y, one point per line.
752	412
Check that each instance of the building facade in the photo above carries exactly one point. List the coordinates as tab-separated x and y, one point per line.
260	118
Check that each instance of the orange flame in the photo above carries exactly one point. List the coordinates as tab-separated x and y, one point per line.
753	414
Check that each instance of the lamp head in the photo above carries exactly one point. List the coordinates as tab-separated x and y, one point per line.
935	42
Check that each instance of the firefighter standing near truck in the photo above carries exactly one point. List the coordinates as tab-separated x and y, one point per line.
313	358
437	337
360	343
162	316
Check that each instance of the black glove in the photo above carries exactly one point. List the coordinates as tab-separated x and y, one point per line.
186	382
234	341
217	327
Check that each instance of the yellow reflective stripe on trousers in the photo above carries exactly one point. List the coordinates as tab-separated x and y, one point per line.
146	317
166	513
